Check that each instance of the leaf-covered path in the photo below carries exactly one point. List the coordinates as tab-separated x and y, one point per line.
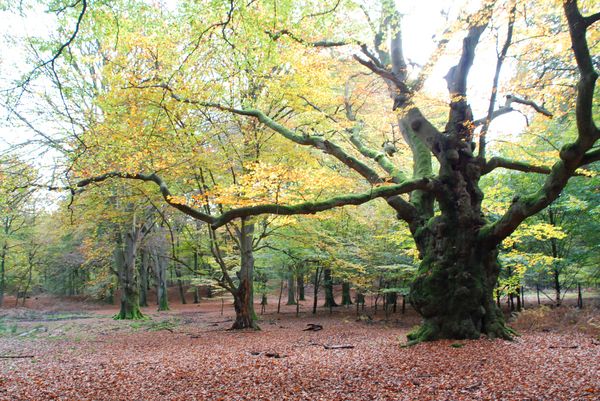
188	355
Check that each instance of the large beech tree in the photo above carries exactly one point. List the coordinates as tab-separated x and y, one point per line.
441	202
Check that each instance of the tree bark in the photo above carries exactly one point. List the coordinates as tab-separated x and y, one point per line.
291	290
300	286
159	263
125	255
317	284
328	285
178	274
346	299
243	299
144	265
3	271
454	289
196	287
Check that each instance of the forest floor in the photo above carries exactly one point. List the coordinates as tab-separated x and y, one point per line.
76	351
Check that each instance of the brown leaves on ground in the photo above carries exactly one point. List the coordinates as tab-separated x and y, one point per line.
101	359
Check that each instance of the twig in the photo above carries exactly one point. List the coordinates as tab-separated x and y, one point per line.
16	356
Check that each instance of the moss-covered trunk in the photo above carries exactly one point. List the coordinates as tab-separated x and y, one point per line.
454	287
125	255
328	285
454	291
243	297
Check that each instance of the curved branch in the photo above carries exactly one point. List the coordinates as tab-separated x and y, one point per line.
164	190
500	162
385	191
384	162
499	63
275	36
590	157
385	74
424	130
573	155
590	19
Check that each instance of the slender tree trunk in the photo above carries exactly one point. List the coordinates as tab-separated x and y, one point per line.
346	299
390	299
3	271
243	300
360	300
291	290
178	274
300	286
160	263
144	266
557	288
29	277
328	285
263	303
317	283
403	304
280	295
196	288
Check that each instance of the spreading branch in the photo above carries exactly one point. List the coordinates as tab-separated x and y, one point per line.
384	191
424	130
500	162
590	157
275	36
507	108
573	155
499	63
385	74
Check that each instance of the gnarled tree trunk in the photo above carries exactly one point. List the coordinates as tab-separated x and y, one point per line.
243	297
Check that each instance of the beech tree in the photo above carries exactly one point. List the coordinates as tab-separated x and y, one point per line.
441	201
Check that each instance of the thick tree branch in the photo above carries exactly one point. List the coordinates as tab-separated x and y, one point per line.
385	191
424	130
380	157
540	109
164	190
590	19
590	157
460	117
507	108
275	36
499	63
385	74
573	155
500	162
585	88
